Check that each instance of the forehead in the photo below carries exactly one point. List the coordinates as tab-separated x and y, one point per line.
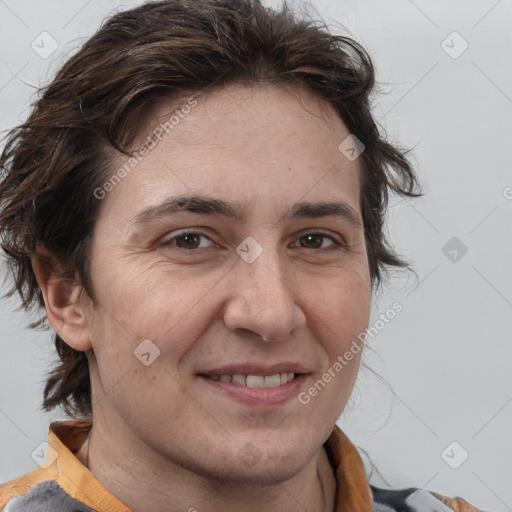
242	141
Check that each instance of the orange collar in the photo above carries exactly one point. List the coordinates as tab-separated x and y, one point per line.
354	493
62	467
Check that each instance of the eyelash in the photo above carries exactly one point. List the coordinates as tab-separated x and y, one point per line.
336	246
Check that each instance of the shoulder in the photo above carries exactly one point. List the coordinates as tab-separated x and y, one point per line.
417	500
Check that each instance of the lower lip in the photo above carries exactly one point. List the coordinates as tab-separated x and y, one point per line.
259	396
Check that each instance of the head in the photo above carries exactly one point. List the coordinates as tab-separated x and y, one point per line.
181	204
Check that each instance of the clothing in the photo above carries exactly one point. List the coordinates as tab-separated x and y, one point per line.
64	484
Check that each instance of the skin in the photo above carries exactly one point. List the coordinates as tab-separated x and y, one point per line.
163	439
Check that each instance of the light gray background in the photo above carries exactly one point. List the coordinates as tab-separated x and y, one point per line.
447	356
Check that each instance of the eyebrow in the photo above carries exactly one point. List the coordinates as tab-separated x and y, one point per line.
205	205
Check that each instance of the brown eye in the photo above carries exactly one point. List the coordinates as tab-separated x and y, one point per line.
189	241
315	240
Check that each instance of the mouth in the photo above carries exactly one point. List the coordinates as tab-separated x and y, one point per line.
253	381
256	385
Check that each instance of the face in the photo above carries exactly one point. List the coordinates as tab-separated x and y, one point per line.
214	320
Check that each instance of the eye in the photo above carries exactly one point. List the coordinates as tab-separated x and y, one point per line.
188	240
315	240
193	240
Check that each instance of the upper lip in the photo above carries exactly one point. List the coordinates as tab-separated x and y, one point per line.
256	369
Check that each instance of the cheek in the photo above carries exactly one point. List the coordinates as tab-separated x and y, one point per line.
342	311
138	350
164	313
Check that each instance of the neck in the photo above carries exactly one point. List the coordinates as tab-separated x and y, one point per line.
144	482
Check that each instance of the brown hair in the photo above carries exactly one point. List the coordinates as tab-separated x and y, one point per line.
52	163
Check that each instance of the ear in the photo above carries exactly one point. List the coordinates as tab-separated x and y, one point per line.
66	303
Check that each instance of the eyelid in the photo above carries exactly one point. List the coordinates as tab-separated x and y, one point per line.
338	242
185	231
320	231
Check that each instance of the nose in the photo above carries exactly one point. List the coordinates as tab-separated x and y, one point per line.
263	300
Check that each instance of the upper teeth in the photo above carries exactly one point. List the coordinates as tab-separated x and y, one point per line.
256	381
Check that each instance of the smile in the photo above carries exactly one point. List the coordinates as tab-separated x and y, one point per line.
255	381
254	390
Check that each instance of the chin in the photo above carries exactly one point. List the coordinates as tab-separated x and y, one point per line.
267	471
272	462
276	471
243	464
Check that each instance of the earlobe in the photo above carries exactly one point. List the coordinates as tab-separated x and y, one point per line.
64	300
